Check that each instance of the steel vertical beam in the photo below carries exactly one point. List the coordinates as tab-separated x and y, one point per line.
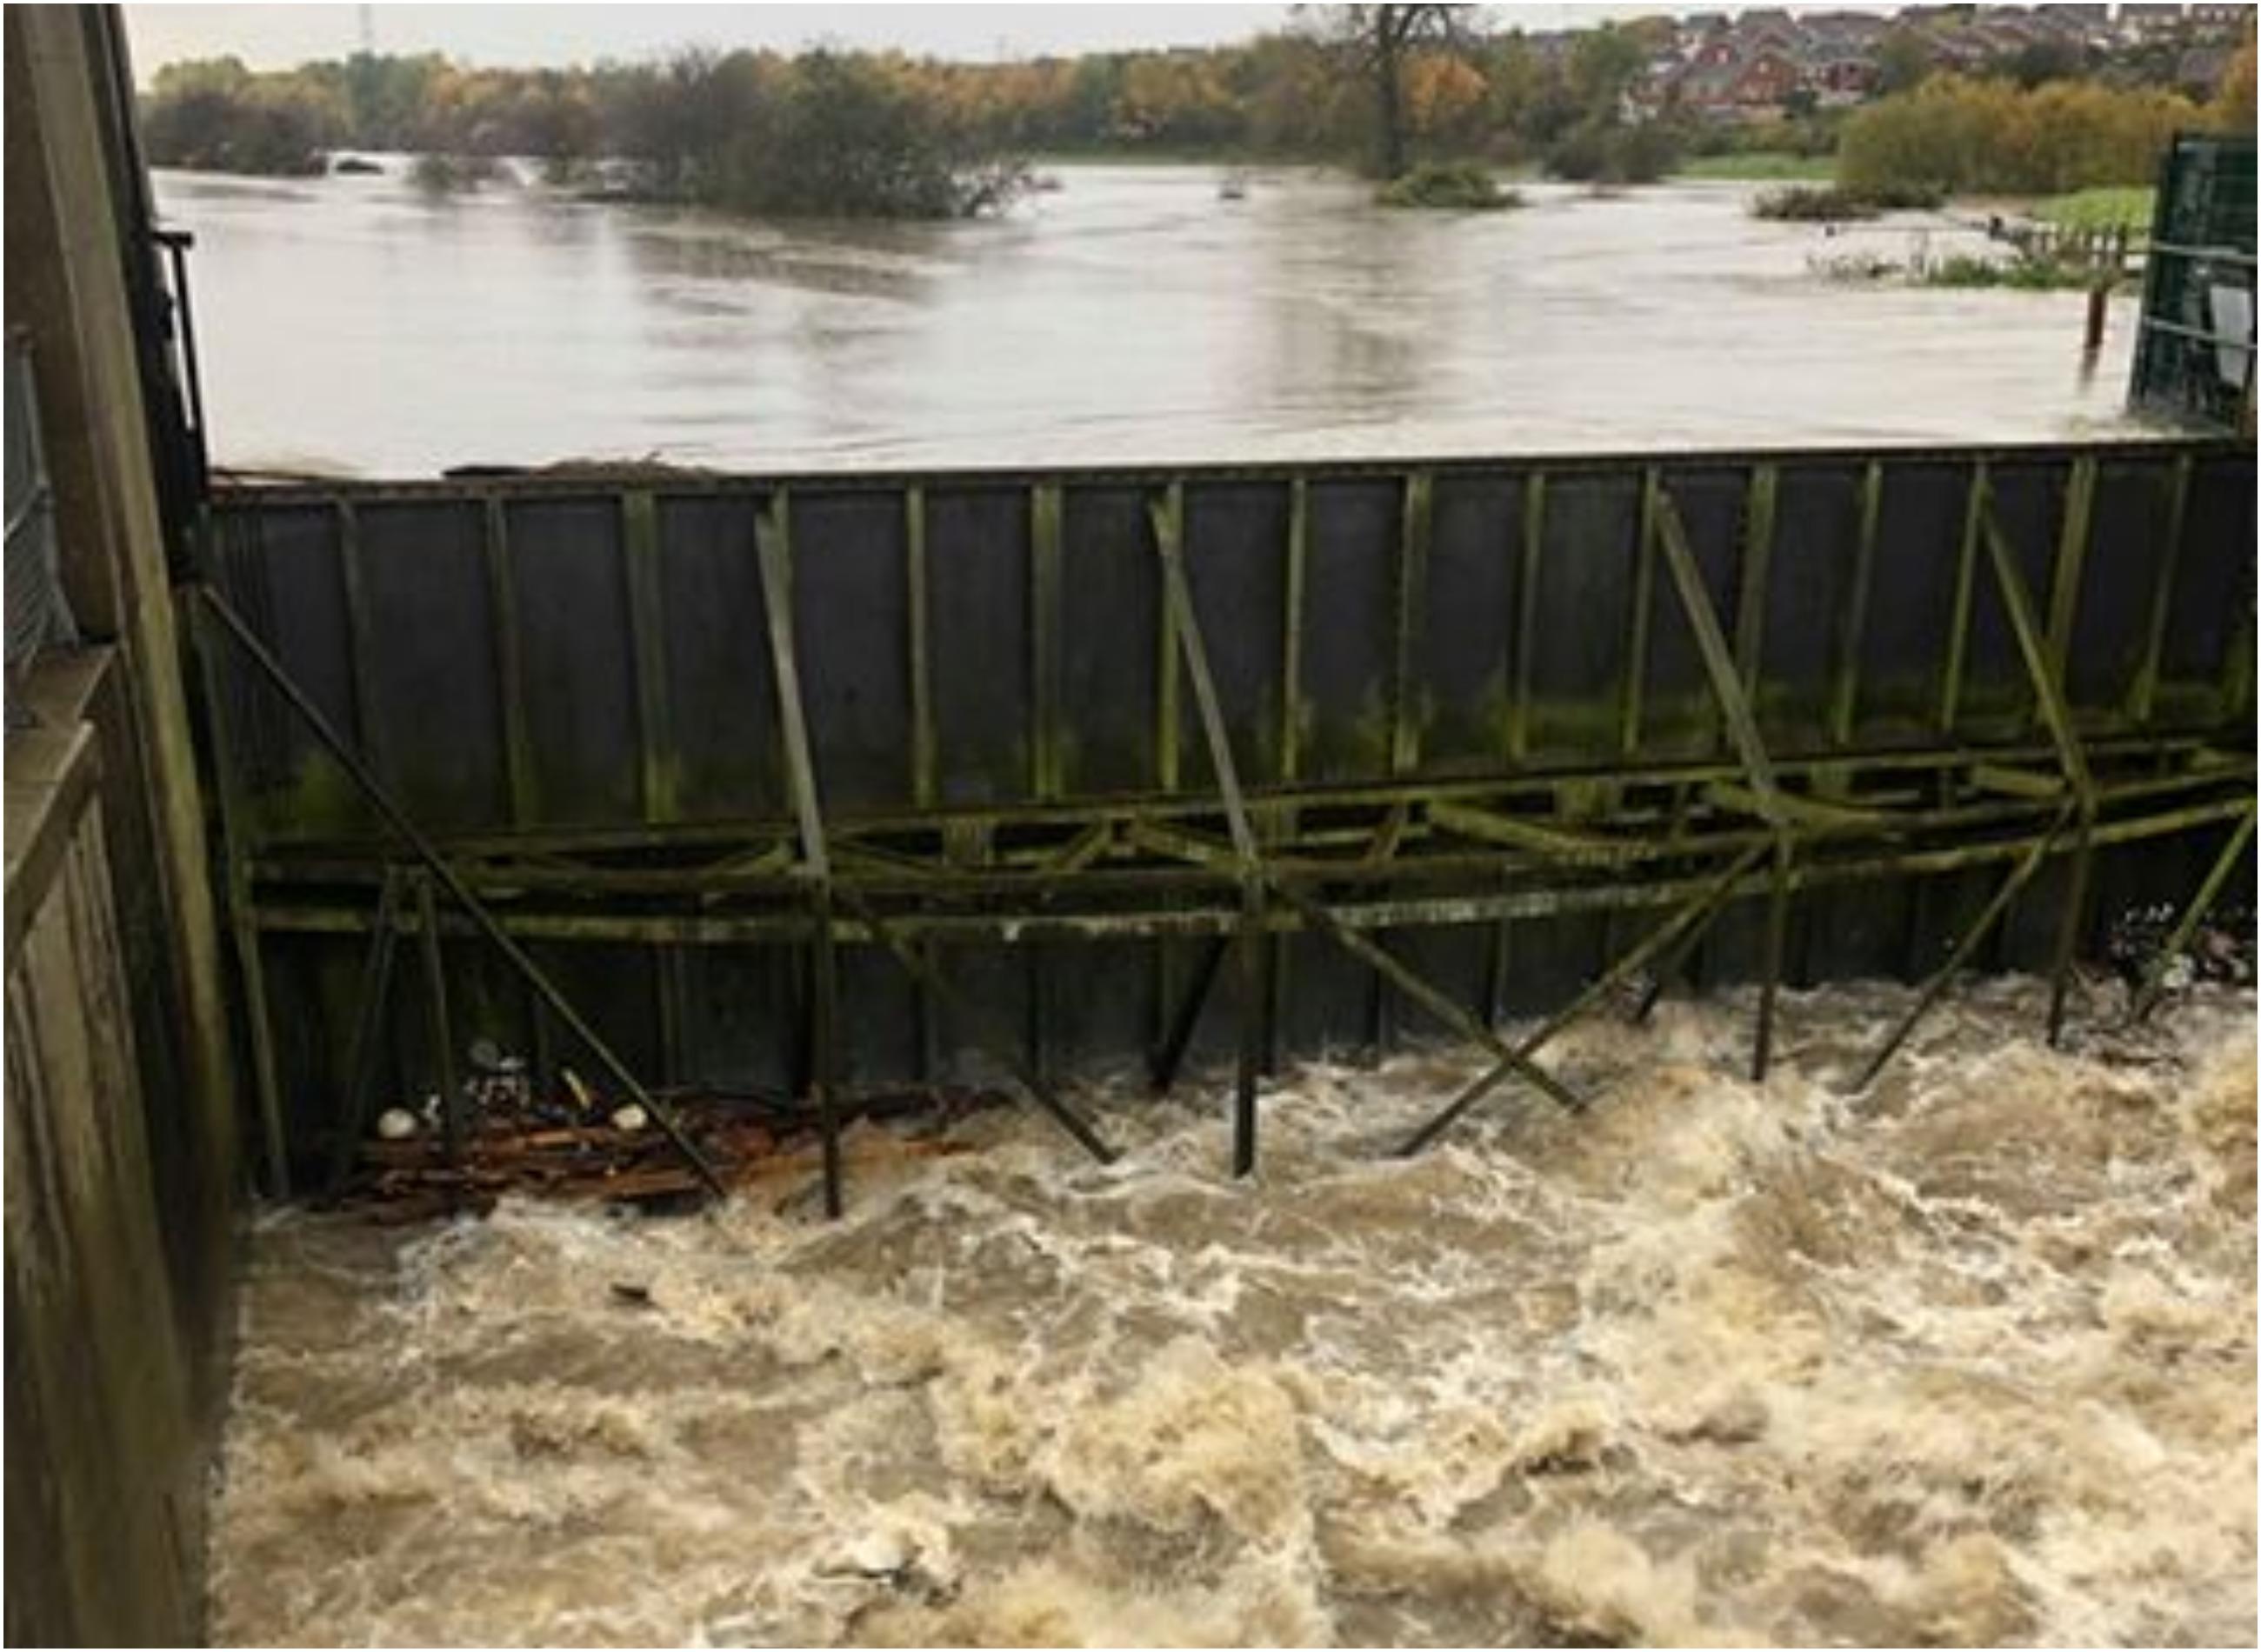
1754	572
1853	620
1291	647
362	646
243	933
1635	683
1959	622
1729	689
919	642
773	545
640	569
1167	518
1527	621
440	1023
2143	693
510	666
1414	532
1047	780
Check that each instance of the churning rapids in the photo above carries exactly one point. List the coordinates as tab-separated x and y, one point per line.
1968	1360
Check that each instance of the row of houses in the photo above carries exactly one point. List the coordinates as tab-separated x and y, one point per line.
1756	64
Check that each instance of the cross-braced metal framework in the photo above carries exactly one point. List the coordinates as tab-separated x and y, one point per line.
1220	874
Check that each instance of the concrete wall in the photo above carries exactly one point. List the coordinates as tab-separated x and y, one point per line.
122	1168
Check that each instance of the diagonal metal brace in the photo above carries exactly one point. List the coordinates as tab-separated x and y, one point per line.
1726	685
1167	516
2147	994
774	546
1689	921
1440	1004
361	1049
921	970
2020	876
232	624
2072	755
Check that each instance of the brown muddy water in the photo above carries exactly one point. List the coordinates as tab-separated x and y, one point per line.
352	324
1968	1360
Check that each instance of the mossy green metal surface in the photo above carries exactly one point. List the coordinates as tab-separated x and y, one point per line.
1495	696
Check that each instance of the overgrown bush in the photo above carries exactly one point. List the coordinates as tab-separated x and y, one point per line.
1462	186
1597	151
454	174
1962	136
836	136
2025	273
219	117
1833	204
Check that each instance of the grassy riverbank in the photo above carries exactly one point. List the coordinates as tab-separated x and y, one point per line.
2097	209
1759	165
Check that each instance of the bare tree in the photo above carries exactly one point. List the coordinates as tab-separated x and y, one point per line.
1376	41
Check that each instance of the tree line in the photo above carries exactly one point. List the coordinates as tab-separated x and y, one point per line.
1383	87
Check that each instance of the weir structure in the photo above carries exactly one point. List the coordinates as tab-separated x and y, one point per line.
816	784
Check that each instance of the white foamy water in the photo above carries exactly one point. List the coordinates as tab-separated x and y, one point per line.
1968	1360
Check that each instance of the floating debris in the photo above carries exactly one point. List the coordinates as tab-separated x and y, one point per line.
574	1143
2219	950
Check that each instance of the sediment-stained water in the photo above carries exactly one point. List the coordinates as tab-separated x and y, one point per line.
352	324
1970	1359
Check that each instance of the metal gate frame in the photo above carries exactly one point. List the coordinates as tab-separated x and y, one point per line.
1238	872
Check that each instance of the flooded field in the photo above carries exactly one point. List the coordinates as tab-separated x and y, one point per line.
1968	1360
352	324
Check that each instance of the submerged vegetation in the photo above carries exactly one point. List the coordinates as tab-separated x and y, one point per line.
2026	272
1599	150
1833	204
453	173
2107	208
2019	272
1463	186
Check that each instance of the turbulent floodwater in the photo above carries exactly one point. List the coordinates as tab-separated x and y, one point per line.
1132	315
1969	1360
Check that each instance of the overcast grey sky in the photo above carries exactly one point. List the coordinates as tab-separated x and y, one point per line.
277	36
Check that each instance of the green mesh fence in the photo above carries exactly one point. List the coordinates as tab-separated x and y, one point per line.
2194	352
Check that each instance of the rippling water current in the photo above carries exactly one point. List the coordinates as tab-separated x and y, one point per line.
1968	1360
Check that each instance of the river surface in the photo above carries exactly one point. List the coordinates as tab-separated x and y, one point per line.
1967	1361
354	324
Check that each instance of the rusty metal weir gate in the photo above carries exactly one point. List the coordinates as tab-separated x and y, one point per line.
818	784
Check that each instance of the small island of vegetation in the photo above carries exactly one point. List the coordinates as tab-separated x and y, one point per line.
1458	186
